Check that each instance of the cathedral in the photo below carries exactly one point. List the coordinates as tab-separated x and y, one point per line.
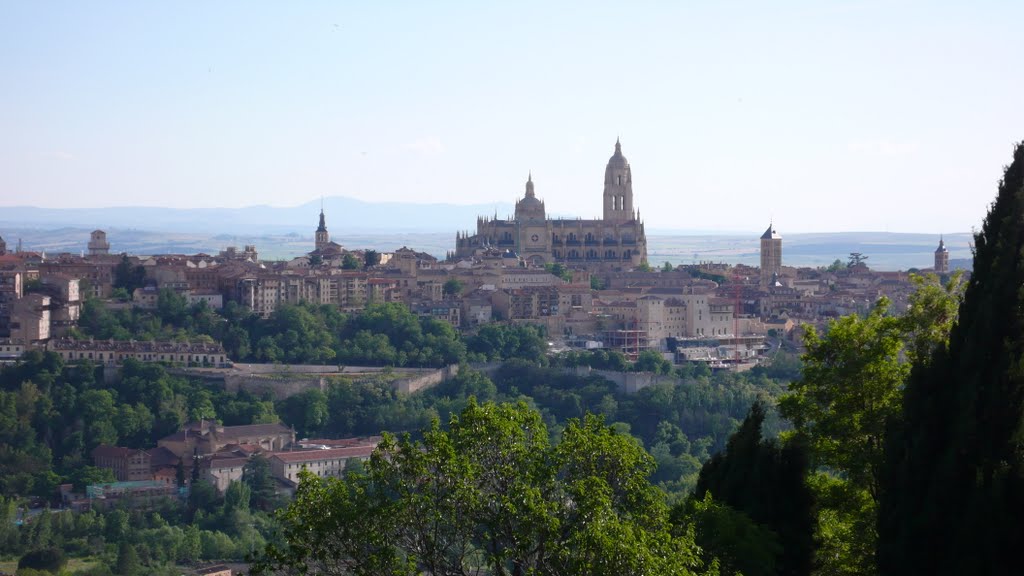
615	241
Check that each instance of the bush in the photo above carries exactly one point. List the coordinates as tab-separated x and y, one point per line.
46	559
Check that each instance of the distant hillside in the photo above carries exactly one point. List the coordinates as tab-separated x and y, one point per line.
885	251
343	214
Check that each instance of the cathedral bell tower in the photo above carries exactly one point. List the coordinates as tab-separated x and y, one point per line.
618	188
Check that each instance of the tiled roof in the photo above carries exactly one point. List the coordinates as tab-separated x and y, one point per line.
105	451
299	457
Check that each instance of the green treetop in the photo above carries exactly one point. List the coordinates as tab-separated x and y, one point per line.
490	495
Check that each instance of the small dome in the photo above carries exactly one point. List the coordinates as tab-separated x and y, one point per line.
530	207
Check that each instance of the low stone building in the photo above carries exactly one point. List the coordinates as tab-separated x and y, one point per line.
128	464
323	463
201	438
114	352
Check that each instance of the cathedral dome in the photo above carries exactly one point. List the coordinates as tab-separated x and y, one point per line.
530	206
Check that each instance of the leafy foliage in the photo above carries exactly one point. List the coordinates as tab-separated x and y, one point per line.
491	495
45	559
503	342
740	545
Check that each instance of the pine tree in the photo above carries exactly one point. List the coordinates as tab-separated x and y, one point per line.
953	489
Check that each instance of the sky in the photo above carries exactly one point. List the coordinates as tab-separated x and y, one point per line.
820	116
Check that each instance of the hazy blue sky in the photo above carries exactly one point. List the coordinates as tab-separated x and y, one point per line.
842	115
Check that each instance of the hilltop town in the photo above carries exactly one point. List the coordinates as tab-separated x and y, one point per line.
588	282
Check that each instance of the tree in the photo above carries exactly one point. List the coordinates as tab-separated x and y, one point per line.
171	307
740	545
558	269
651	361
491	494
127	276
850	388
256	475
371	258
44	559
667	266
954	490
127	560
931	311
767	482
237	497
856	259
350	262
452	287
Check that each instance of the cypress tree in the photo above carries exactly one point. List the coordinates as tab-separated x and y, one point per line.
953	490
768	483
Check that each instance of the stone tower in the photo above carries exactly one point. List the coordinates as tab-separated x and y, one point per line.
322	237
3	247
771	255
618	188
98	245
941	258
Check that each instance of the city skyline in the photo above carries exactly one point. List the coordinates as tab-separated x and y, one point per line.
817	117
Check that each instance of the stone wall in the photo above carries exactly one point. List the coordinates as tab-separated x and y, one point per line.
291	380
628	382
279	386
411	385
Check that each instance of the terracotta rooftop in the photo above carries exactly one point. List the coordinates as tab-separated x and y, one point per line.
298	457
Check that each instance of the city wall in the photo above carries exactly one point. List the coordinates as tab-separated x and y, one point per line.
286	381
627	382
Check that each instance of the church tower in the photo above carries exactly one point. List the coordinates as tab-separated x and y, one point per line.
771	255
941	258
322	237
98	245
618	188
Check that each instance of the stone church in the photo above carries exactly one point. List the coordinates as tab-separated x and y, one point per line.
615	241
